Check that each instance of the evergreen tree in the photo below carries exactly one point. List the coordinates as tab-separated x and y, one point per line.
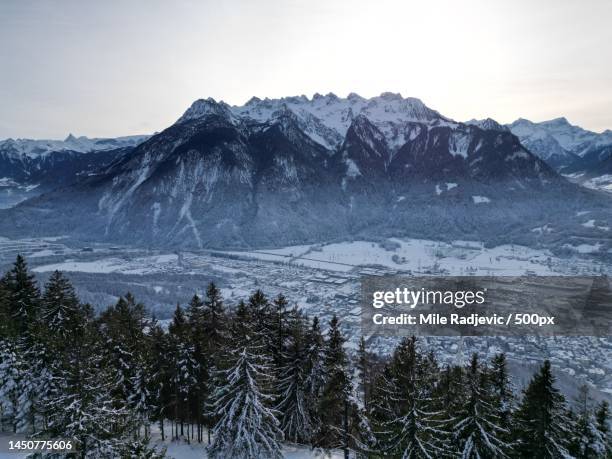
5	312
334	404
122	329
10	378
247	427
364	373
215	321
160	380
295	418
502	392
80	403
476	427
279	326
410	427
264	319
59	304
23	298
184	368
542	428
588	441
314	377
602	419
202	358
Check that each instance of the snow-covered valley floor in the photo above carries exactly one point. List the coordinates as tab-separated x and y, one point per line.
323	280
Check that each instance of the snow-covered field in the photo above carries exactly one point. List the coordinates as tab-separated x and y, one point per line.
142	265
417	255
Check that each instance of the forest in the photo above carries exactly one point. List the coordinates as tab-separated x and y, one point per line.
244	379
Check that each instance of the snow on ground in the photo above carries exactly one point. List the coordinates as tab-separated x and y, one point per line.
181	450
589	224
141	265
603	182
584	248
480	199
356	257
416	255
102	266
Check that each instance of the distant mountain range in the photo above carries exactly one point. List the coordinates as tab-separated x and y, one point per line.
31	167
293	170
583	156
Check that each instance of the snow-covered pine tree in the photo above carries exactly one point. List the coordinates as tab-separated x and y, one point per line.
334	404
10	379
19	299
602	418
35	382
140	400
262	315
449	390
247	427
410	426
80	404
122	329
5	312
502	393
159	382
295	421
260	310
184	369
281	317
199	335
59	306
23	298
314	368
215	321
542	428
587	441
476	426
212	342
364	373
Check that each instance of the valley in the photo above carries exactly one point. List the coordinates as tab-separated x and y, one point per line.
322	280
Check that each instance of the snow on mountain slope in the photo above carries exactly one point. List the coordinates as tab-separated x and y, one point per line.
581	155
37	148
326	119
297	170
487	124
558	135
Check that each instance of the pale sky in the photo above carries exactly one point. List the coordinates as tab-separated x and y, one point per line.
110	68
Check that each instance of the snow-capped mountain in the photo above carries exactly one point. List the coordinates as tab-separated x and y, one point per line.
326	119
36	148
487	124
29	162
292	170
571	138
29	167
584	156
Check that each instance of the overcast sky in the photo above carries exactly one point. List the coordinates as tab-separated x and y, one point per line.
110	68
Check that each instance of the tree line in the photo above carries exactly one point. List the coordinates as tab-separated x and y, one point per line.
248	378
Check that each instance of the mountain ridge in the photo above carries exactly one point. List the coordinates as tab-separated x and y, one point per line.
274	172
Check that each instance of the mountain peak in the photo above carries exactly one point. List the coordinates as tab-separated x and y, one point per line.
558	121
205	107
391	96
487	124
